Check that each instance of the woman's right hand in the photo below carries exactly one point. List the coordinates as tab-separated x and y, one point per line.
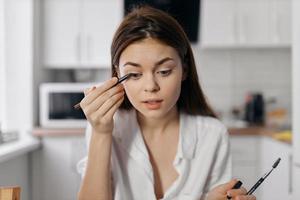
100	104
221	192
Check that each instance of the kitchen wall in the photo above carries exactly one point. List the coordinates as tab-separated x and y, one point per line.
227	75
18	64
2	62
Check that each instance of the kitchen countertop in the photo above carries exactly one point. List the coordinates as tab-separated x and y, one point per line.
40	132
259	131
251	130
246	131
26	143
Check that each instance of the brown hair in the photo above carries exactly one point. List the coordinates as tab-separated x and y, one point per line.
147	22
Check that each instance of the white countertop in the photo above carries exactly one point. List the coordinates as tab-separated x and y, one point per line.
26	143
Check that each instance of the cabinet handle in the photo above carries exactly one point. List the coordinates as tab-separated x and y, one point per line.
78	47
278	27
243	27
276	18
235	26
88	47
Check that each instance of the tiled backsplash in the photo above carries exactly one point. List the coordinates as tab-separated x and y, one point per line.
228	75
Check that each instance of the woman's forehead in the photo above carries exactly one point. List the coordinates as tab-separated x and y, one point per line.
149	49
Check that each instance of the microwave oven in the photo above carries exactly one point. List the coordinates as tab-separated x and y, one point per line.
56	105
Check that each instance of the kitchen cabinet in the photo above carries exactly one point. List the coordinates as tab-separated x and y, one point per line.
245	152
253	156
78	33
278	185
15	172
252	22
245	23
281	21
218	22
54	174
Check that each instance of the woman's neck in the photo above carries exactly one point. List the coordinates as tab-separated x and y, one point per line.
158	125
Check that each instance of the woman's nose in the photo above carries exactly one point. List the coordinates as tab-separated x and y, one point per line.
151	84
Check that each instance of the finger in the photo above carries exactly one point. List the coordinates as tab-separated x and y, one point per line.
245	197
88	90
236	192
99	90
227	186
99	101
113	109
109	103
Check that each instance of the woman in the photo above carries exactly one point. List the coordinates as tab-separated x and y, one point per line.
154	136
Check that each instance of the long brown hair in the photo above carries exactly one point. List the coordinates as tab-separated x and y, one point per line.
147	22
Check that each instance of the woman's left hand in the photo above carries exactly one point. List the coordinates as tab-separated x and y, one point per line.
222	191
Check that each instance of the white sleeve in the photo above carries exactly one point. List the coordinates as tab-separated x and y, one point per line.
81	165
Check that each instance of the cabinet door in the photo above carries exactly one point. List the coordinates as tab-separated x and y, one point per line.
101	19
61	37
54	174
280	21
245	158
278	185
253	22
218	22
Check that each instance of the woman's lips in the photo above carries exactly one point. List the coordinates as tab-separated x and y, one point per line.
153	104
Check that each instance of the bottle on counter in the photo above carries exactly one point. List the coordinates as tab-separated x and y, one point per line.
255	109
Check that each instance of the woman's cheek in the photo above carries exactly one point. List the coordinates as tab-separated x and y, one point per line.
131	91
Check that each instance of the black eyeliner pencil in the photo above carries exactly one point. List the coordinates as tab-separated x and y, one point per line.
261	180
123	78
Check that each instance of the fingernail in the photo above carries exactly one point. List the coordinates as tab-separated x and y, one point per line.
228	196
92	88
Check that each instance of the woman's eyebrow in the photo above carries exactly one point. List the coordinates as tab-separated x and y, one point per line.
156	64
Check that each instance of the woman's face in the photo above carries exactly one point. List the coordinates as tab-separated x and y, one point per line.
156	84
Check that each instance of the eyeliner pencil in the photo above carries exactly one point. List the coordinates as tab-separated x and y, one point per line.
123	78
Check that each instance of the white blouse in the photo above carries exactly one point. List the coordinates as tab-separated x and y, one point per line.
202	160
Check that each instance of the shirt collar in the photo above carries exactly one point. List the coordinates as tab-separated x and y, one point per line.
132	139
128	134
187	136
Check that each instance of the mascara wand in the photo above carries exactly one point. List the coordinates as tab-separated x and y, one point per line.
263	178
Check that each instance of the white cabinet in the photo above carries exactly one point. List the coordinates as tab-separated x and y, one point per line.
253	156
78	33
278	185
252	22
281	21
245	158
54	174
246	23
218	22
61	36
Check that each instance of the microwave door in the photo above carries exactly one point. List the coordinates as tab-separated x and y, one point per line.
61	106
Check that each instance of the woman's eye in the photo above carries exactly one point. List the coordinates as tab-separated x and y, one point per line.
135	75
165	72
